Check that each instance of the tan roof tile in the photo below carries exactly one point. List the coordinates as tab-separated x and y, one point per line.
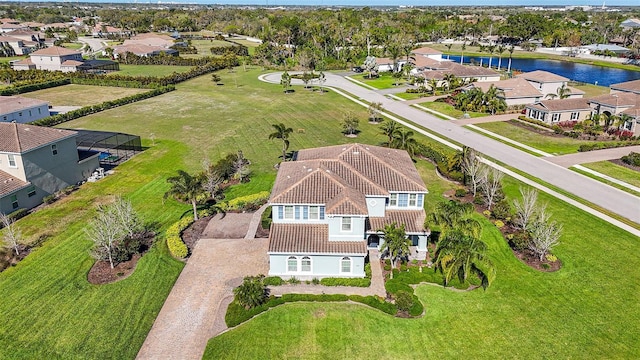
9	184
413	220
629	86
9	104
55	51
542	76
426	51
20	138
618	99
562	105
513	88
348	202
310	239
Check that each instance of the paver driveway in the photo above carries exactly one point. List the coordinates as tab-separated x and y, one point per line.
201	295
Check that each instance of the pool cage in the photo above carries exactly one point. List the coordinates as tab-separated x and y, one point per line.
114	148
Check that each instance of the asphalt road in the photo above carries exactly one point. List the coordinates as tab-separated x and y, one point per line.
605	196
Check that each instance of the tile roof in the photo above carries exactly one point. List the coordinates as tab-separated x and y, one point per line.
20	138
26	61
562	105
628	86
458	70
413	220
9	184
55	51
512	88
426	51
633	112
421	62
347	202
309	239
9	104
383	61
542	76
71	63
623	99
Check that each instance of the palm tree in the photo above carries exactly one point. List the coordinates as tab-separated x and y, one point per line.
491	49
511	48
433	85
464	47
282	132
389	129
448	50
562	92
461	255
186	187
454	215
396	245
404	141
500	50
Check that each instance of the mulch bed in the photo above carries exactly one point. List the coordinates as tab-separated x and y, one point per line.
628	166
533	261
102	273
9	258
191	235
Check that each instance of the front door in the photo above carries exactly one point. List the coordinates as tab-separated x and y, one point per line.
373	241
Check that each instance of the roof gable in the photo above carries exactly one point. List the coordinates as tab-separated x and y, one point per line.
20	138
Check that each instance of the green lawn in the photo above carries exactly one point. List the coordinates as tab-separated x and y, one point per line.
551	144
251	46
411	96
591	90
81	95
616	171
204	47
588	309
150	70
384	81
73	46
447	109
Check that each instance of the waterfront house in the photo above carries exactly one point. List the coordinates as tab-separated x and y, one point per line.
329	204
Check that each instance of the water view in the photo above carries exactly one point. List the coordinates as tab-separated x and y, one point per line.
586	73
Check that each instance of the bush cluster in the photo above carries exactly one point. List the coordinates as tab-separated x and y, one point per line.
632	159
15	90
358	282
177	247
247	203
238	50
607	145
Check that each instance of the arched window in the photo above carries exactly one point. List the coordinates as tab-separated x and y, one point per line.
345	265
306	264
292	264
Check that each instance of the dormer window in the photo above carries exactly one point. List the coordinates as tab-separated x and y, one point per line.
393	200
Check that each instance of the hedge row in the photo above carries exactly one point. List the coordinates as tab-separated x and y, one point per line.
442	162
241	203
606	145
357	282
92	109
535	122
238	50
34	87
163	59
237	314
177	247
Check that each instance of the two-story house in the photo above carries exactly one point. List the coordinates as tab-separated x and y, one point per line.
329	205
21	109
38	161
57	58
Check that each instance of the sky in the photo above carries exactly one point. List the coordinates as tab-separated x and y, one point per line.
595	3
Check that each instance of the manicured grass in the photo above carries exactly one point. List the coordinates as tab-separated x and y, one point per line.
150	70
384	81
410	96
73	46
11	58
251	46
587	309
81	95
447	109
616	171
591	90
204	47
550	144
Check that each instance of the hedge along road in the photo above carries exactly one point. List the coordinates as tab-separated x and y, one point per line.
605	196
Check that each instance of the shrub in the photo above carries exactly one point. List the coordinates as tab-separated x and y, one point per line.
387	268
501	210
367	270
293	281
499	224
551	258
631	159
50	199
252	292
478	199
404	300
358	282
315	281
375	302
520	240
461	192
486	213
249	202
546	266
177	248
18	214
403	267
237	314
313	297
273	281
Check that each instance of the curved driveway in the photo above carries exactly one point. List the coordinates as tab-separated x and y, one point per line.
607	197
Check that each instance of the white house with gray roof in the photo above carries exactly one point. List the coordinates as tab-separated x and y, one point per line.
330	203
38	161
21	109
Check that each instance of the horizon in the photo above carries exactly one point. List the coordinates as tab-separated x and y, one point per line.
360	3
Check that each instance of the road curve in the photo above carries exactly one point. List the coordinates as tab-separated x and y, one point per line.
600	194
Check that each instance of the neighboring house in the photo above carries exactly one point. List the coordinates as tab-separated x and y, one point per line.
38	161
386	64
530	88
329	204
466	73
57	58
10	44
632	86
555	111
8	27
619	103
427	52
21	109
590	49
630	23
151	39
104	30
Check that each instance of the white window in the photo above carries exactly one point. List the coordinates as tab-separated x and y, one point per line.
306	264
346	223
54	149
292	264
314	212
393	200
12	161
555	118
575	115
403	200
413	199
345	265
288	212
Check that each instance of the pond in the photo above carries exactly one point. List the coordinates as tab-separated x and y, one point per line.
585	73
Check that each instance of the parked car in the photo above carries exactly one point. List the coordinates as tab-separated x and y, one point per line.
357	69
